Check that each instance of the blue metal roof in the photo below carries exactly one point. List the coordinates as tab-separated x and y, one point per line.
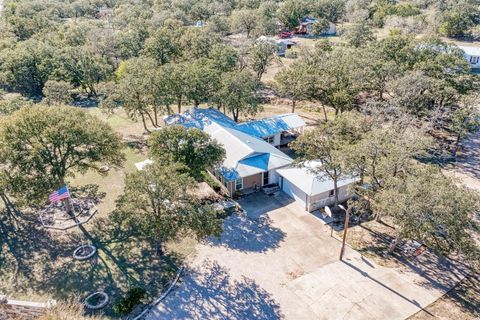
256	155
199	118
228	174
264	128
259	162
248	166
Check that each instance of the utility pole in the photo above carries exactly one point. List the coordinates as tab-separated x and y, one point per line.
345	228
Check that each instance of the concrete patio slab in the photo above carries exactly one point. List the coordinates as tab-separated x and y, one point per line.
279	262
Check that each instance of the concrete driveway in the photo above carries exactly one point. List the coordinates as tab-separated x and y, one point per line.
279	262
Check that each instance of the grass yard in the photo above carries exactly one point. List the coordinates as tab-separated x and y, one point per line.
119	121
113	182
372	239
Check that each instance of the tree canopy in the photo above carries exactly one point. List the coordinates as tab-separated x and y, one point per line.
238	94
191	147
159	204
43	146
427	206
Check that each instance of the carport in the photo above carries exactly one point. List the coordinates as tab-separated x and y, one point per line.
310	190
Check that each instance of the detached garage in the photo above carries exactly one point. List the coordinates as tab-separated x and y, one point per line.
311	191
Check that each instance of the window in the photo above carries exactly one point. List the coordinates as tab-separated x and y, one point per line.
239	184
332	193
265	178
474	60
268	139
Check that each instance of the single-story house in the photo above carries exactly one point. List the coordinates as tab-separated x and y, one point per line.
472	54
311	190
252	160
277	130
282	44
306	26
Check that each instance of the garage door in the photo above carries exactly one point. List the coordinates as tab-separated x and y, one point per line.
293	191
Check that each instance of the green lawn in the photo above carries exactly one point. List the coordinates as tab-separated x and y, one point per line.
113	182
119	121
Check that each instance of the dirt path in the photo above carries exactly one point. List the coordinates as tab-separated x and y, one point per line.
467	167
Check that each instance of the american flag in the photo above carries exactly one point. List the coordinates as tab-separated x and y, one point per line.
60	194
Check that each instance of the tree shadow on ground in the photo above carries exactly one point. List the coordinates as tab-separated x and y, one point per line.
37	263
466	294
25	248
468	160
209	292
243	233
379	245
437	271
122	262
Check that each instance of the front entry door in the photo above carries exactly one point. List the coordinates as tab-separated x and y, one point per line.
265	178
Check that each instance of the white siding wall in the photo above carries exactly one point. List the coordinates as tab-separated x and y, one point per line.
274	177
323	199
276	139
294	192
471	59
319	201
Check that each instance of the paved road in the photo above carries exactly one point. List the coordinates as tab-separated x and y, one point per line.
279	262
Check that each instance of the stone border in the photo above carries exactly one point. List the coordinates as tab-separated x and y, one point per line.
163	296
98	306
92	211
91	254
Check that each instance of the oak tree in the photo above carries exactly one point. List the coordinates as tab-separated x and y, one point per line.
189	146
41	147
158	204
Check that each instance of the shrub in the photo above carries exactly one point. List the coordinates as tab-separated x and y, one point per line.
455	25
474	33
291	54
405	10
126	304
214	184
